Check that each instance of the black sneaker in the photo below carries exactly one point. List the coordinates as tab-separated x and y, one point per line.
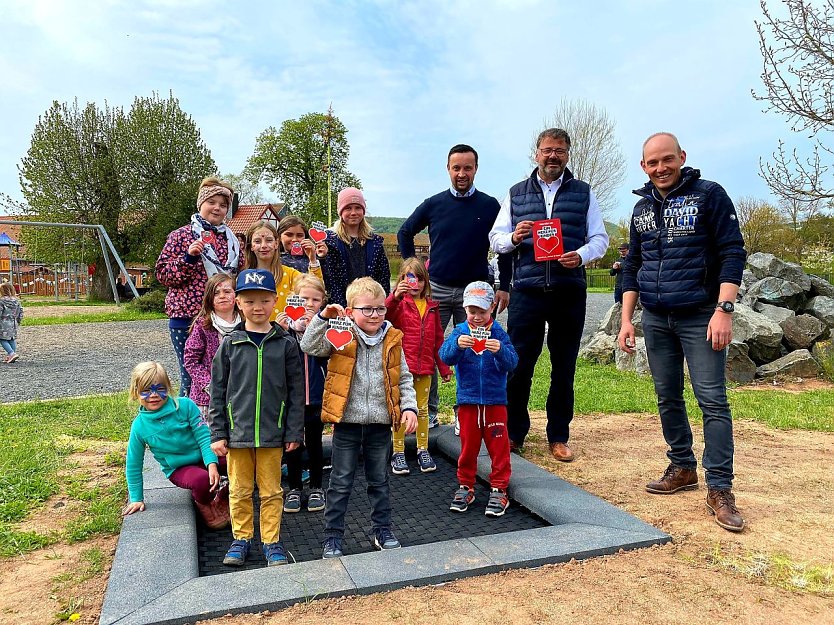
293	501
464	496
332	548
384	539
498	503
425	461
398	464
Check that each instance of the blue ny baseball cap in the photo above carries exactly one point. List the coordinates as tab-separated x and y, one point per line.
255	280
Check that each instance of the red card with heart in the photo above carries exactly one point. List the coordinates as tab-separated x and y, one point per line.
207	236
295	307
339	334
317	232
480	336
547	239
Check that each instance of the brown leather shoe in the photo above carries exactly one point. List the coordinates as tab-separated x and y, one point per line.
561	452
675	478
722	504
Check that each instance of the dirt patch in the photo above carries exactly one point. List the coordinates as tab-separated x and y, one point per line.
791	385
36	312
784	486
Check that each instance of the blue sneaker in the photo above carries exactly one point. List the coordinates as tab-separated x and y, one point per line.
332	547
384	539
284	470
305	475
433	422
398	464
275	554
425	461
236	555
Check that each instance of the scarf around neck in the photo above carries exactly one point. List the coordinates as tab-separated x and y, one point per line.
370	341
223	327
209	257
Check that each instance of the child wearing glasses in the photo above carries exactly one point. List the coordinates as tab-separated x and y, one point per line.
412	311
368	390
172	428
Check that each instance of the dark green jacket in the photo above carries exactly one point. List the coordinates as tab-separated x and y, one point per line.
257	393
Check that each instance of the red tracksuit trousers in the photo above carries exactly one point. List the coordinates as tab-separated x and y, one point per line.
487	423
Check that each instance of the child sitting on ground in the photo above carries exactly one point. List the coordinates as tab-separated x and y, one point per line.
481	370
179	441
412	311
216	320
11	314
256	412
312	291
367	390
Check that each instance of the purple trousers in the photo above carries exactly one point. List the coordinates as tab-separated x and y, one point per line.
196	479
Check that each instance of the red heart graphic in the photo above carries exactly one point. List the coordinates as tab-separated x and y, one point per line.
548	245
317	235
294	312
338	338
480	346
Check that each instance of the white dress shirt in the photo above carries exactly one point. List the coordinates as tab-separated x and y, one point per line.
596	237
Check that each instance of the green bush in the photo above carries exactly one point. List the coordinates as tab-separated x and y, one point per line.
152	301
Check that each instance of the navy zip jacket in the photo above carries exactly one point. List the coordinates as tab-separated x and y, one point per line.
684	247
481	380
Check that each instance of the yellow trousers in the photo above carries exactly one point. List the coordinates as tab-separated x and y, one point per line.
422	384
246	467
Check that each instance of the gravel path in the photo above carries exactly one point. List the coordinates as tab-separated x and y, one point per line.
89	358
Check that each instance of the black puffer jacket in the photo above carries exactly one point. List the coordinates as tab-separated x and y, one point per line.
684	246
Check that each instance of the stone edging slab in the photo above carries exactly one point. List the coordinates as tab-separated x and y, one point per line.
154	578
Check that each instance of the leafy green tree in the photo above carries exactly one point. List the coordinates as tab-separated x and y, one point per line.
136	174
247	190
293	162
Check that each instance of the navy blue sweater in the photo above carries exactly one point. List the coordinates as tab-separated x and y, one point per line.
459	234
481	380
682	248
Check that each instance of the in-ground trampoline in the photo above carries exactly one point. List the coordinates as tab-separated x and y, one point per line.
168	569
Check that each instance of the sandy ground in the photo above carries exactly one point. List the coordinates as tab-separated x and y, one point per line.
784	487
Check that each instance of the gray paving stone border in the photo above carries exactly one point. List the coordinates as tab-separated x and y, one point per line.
155	577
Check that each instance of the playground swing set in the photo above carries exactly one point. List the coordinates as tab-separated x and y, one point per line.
70	278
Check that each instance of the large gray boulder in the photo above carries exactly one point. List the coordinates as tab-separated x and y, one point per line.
776	313
638	361
600	349
748	279
798	364
767	265
802	331
740	368
776	291
820	286
822	308
762	335
610	323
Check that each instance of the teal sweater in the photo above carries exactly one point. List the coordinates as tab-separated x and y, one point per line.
177	437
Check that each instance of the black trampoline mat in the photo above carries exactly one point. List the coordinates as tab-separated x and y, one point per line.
420	513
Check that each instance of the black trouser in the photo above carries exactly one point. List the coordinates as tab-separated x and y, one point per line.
313	428
563	308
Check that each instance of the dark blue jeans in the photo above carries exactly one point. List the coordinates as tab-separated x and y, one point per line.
669	338
375	443
178	338
564	311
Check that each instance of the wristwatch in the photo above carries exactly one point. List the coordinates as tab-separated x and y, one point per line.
727	307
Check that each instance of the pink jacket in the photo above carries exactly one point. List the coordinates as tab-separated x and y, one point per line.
422	336
200	348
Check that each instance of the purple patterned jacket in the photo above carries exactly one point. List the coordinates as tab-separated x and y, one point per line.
200	348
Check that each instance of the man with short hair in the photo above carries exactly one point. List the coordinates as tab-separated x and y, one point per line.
551	292
686	257
617	272
459	220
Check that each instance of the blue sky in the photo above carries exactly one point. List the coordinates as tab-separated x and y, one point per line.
408	79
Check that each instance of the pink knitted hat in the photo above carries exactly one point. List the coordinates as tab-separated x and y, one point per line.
350	195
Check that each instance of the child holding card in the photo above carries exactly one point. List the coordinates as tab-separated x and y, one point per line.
216	320
482	355
411	310
296	244
311	295
367	390
256	412
262	253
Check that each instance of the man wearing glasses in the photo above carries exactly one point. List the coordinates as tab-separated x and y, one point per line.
549	292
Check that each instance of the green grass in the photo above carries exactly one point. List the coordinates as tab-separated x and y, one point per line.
38	437
119	315
605	389
43	302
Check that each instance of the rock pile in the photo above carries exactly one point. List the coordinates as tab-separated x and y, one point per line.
782	326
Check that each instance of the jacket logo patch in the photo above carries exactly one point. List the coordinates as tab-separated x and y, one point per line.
644	222
681	215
